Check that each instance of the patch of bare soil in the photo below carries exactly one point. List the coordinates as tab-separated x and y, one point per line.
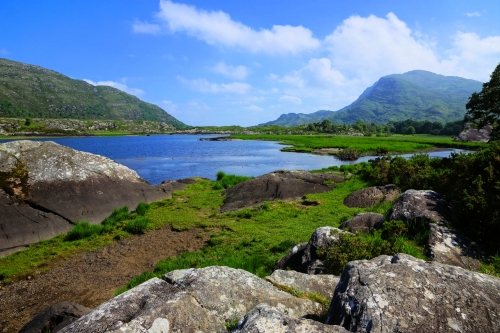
92	278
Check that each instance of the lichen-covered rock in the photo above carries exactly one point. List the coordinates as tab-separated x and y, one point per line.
368	197
363	222
421	206
322	284
450	247
405	294
154	306
279	185
264	318
60	183
55	318
230	293
474	134
321	237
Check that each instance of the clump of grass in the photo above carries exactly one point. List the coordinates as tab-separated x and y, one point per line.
138	226
83	230
141	208
225	181
117	217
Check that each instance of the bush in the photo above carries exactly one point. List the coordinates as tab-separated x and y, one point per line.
348	154
142	208
225	181
83	230
138	226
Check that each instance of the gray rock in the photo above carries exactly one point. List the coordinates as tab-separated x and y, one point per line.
404	294
293	259
264	318
62	184
323	284
363	222
421	206
154	306
450	247
370	196
321	237
279	185
230	293
474	134
55	318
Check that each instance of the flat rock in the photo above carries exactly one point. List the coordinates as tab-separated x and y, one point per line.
55	180
475	135
55	318
154	306
322	284
422	206
450	247
370	196
403	294
264	318
230	293
279	185
363	222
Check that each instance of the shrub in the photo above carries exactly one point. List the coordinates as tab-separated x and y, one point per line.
138	226
348	154
83	230
225	181
142	208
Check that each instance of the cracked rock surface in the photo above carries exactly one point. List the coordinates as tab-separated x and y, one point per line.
46	187
403	294
323	284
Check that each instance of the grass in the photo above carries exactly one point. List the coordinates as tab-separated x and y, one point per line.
364	145
224	181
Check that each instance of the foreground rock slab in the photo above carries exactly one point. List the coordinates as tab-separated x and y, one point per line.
230	293
323	284
154	306
405	294
368	197
59	183
279	185
55	318
264	318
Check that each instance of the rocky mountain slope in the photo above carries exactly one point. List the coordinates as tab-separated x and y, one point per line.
418	95
33	91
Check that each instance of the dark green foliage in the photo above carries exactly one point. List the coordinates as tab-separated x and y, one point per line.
117	217
138	226
348	154
141	208
483	108
32	91
28	122
83	230
224	181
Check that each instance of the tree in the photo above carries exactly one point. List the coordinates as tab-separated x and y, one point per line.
483	108
410	130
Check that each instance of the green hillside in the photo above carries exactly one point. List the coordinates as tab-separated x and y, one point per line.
417	95
33	91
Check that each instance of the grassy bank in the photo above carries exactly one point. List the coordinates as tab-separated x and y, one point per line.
364	144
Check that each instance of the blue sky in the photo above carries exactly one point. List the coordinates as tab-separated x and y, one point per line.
247	62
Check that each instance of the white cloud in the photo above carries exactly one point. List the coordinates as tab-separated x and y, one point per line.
235	72
169	106
254	108
4	52
290	99
117	85
146	28
217	28
203	85
473	14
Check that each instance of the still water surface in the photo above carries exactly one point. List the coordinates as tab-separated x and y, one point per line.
160	157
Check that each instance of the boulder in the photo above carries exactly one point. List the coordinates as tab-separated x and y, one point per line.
280	185
154	306
403	294
363	222
62	184
230	293
293	259
55	318
323	284
474	134
371	196
321	237
450	247
264	318
421	206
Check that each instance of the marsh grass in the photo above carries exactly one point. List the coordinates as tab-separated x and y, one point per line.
225	181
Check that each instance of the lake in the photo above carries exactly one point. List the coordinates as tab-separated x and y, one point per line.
160	157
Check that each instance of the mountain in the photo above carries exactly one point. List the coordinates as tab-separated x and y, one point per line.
417	95
33	91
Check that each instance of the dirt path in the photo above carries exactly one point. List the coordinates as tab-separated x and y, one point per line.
92	278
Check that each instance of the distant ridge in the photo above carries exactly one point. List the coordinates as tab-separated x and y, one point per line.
33	91
418	95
